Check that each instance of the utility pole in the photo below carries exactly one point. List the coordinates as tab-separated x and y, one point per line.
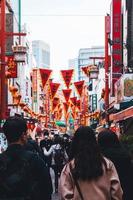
3	95
107	32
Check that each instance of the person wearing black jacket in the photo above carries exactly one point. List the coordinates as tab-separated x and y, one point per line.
23	174
113	149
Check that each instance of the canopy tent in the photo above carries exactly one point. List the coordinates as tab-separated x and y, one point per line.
60	123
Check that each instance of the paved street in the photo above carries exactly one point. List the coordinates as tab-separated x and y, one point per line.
55	197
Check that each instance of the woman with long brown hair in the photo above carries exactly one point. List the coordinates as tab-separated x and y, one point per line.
88	175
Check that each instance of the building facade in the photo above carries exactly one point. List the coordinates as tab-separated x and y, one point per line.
41	52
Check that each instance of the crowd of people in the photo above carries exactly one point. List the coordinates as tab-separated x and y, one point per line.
85	166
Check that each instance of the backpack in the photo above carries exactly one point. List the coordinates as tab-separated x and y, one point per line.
59	156
14	177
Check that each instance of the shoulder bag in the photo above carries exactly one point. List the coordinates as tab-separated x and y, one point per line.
76	183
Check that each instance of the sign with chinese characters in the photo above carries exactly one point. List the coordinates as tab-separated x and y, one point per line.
117	67
12	67
34	85
67	76
9	28
94	102
45	75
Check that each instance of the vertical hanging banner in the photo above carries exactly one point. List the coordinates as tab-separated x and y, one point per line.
66	106
67	93
12	66
34	85
79	86
117	67
67	76
53	88
73	100
45	74
85	70
78	104
55	103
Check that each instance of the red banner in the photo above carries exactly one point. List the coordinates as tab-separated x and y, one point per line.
55	103
67	93
67	76
79	86
66	106
85	70
45	74
78	104
12	66
53	88
117	66
74	100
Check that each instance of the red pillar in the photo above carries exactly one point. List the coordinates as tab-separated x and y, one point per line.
107	32
3	94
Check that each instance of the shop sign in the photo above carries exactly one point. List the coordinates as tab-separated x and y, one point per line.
34	85
12	67
94	102
19	53
117	67
124	88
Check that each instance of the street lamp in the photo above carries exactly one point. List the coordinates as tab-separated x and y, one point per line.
93	72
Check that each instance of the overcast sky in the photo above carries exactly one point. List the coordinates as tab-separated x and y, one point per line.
66	25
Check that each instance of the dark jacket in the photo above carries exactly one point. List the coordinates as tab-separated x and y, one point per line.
35	181
112	149
32	145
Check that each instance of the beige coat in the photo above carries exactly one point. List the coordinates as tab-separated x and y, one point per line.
107	187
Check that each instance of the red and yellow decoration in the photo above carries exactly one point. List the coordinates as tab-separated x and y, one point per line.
85	70
67	76
78	104
11	67
53	89
67	93
74	100
79	86
66	106
45	74
55	103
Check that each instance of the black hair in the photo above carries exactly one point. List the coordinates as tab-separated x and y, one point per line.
13	128
108	139
87	157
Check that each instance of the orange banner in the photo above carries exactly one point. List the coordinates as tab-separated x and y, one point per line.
78	104
12	67
79	86
74	100
85	70
53	88
67	76
45	74
66	106
67	93
55	103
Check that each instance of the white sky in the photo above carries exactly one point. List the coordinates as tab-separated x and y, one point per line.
66	34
